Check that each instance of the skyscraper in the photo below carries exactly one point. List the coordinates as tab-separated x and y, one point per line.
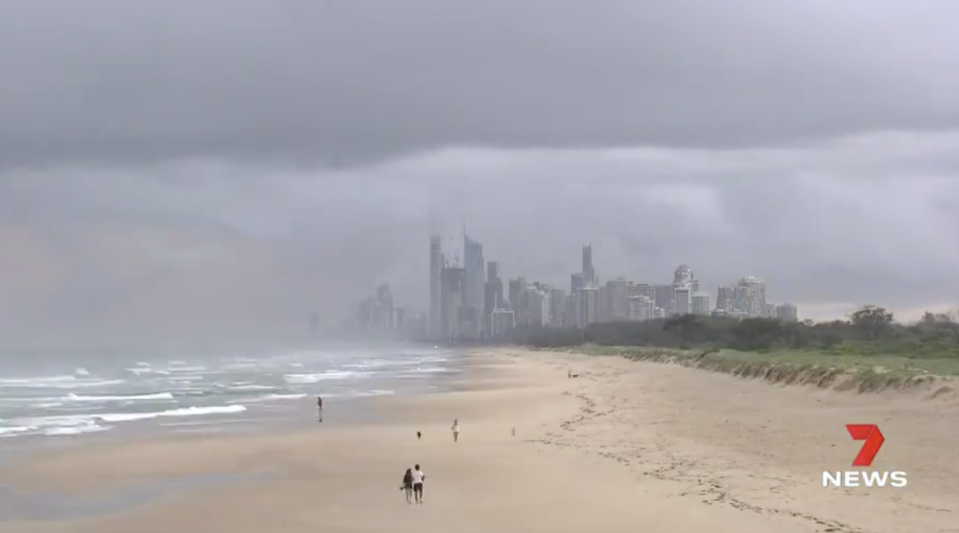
726	299
576	283
683	290
700	304
787	312
519	300
502	322
557	307
474	281
663	297
588	305
602	304
589	273
436	288
571	311
515	288
451	302
384	313
493	295
617	298
682	300
492	270
474	266
641	308
751	296
537	300
683	276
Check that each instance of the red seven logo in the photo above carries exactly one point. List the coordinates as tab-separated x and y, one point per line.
874	439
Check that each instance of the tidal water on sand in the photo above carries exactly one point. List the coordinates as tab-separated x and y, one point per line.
45	395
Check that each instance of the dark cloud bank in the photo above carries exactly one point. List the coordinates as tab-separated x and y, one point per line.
211	164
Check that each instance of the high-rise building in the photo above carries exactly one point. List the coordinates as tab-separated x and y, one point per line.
682	300
700	304
602	304
492	270
435	329
453	291
769	310
518	300
617	299
643	289
663	296
502	322
589	272
515	288
726	299
787	312
384	312
493	294
474	267
751	296
588	305
538	303
641	308
377	315
474	291
576	283
683	275
557	307
570	313
683	290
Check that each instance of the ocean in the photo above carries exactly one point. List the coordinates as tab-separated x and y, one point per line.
61	394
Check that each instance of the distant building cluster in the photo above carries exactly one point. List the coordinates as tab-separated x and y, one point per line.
378	316
468	300
464	302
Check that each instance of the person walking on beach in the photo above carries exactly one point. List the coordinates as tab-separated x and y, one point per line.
319	408
408	485
456	430
418	478
419	435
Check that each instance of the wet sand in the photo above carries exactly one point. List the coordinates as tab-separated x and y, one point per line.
624	447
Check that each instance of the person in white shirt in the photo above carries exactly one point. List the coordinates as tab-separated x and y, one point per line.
418	478
456	430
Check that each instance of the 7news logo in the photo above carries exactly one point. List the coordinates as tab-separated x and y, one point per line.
865	478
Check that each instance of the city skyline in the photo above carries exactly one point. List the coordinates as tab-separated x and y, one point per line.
467	299
707	285
216	181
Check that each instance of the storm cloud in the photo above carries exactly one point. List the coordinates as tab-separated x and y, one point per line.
222	165
344	82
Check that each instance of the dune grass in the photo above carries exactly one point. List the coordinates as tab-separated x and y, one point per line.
851	371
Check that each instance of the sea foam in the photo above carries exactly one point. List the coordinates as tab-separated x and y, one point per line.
118	398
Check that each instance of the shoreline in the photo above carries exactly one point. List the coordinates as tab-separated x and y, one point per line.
90	397
694	449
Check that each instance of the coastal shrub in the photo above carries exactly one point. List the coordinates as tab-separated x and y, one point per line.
870	331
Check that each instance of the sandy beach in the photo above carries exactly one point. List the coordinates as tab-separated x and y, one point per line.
624	447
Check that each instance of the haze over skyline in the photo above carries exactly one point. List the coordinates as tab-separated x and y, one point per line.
217	166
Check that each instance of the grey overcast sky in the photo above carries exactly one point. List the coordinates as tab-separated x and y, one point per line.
172	167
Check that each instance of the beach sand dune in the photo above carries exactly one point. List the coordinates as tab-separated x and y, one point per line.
624	447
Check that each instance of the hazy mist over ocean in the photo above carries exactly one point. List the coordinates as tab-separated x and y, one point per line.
63	393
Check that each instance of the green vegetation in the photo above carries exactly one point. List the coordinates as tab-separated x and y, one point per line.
870	345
